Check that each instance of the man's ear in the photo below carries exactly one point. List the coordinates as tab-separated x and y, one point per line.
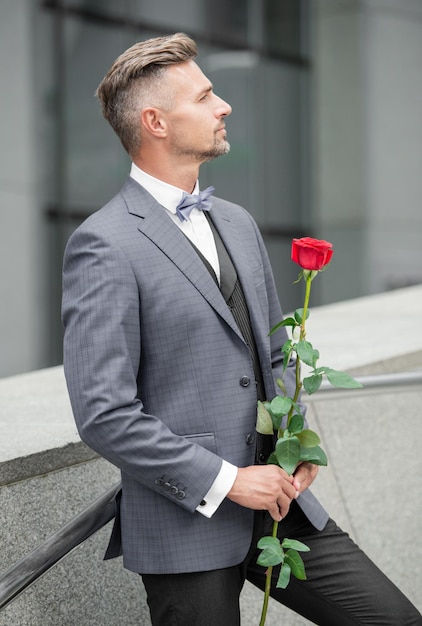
154	122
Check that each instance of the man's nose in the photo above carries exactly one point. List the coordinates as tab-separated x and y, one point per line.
223	107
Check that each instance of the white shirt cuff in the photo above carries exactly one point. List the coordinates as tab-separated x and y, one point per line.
219	489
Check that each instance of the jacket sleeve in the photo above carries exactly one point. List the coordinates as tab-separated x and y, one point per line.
102	351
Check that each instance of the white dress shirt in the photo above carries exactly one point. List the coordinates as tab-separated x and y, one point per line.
196	227
198	230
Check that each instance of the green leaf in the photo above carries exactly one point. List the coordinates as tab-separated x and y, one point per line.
296	407
312	383
299	278
287	346
284	576
264	423
286	350
297	566
308	438
315	455
299	315
281	385
296	423
272	459
341	379
289	321
288	453
272	552
269	559
295	544
306	353
277	421
280	405
268	542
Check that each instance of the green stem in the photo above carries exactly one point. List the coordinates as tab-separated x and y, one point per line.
302	336
269	572
267	590
308	282
296	395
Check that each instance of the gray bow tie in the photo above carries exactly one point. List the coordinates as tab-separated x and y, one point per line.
189	201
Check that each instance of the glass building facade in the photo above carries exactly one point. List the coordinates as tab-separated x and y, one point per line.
325	139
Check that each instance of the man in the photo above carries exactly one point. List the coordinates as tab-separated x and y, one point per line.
166	316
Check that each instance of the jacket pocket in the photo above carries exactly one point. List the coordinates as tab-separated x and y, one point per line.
206	440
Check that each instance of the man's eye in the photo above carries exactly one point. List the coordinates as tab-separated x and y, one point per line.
206	95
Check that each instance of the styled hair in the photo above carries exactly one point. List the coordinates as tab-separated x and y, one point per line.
133	82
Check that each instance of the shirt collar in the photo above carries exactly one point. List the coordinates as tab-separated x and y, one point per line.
166	195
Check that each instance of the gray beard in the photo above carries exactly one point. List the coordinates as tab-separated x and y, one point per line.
217	150
220	150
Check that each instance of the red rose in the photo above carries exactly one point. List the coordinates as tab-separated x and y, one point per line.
311	254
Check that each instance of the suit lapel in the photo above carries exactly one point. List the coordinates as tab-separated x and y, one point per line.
239	255
160	229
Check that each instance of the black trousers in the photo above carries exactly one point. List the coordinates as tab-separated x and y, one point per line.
343	586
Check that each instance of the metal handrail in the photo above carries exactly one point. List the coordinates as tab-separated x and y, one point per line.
21	575
380	381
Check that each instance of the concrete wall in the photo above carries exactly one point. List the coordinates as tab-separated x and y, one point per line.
22	266
47	475
368	142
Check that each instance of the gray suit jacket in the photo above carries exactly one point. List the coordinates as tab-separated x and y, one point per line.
158	373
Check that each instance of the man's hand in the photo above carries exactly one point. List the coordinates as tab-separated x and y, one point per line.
305	475
266	487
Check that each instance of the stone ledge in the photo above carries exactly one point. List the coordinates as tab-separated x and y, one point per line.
366	335
36	415
354	334
45	462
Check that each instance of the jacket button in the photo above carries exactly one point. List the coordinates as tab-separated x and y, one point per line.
181	494
245	381
167	486
250	439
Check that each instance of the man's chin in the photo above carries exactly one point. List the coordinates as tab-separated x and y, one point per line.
218	150
226	148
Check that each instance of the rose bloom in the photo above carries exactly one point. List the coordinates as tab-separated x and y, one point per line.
311	254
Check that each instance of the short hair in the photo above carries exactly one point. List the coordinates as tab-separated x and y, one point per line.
130	84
